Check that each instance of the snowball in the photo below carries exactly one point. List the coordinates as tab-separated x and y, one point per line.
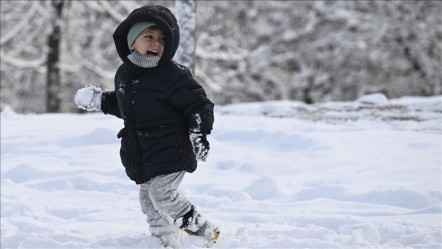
373	99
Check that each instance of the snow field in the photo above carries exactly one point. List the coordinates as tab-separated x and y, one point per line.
268	183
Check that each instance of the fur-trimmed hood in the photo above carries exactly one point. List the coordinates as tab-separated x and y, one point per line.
157	14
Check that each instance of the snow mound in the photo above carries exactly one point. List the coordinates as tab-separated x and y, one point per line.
7	112
265	188
417	113
98	136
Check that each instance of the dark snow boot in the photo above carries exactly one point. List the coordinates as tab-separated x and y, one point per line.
194	224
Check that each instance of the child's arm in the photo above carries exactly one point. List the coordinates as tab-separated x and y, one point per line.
109	104
190	97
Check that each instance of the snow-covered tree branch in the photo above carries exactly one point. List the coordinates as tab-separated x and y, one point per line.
310	51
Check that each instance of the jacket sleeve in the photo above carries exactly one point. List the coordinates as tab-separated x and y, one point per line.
109	104
189	96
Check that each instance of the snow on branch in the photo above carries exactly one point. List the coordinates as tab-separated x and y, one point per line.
223	56
23	63
111	11
92	67
213	86
23	23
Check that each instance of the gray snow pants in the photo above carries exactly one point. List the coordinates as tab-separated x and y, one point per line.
162	204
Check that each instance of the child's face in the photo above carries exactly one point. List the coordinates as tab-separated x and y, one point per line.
150	42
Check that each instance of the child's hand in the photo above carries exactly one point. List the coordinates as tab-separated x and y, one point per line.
89	98
200	145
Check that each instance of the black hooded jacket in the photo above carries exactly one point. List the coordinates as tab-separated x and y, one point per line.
159	105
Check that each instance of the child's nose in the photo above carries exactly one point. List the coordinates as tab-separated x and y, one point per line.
155	42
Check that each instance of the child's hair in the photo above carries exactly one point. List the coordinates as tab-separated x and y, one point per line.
155	27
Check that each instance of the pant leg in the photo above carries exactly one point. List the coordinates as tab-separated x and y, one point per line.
165	196
160	225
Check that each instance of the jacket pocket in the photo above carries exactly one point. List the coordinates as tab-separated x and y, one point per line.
121	133
128	158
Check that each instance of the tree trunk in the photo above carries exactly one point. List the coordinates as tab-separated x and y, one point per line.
186	15
53	71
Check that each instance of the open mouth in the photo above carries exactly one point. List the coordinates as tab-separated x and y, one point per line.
152	52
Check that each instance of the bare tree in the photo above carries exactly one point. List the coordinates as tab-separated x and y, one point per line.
319	50
23	54
246	50
186	16
53	79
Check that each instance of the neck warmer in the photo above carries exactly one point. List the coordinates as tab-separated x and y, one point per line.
144	61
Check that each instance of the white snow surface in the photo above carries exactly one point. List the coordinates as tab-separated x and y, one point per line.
280	174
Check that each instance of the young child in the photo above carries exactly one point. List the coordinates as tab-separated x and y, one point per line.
167	116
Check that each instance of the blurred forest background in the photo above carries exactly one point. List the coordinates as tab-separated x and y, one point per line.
310	51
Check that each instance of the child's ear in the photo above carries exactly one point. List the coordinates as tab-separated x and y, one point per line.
132	48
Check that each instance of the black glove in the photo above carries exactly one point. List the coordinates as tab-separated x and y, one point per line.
200	145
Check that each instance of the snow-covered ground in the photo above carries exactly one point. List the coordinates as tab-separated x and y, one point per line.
280	175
